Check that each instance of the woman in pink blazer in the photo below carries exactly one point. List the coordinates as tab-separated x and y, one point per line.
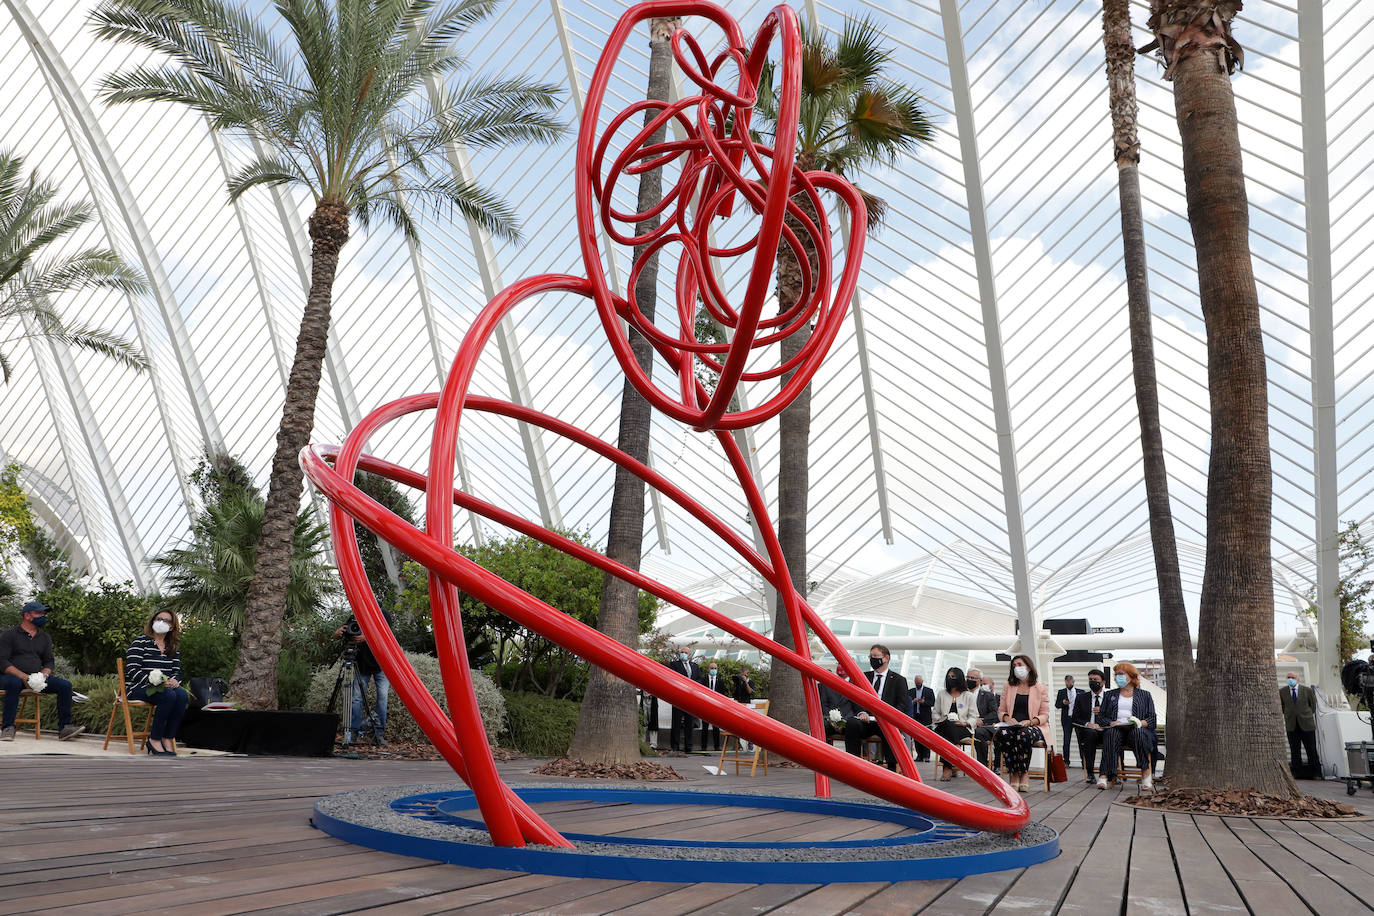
1025	708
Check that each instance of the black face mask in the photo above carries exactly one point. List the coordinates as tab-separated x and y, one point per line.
971	684
1096	686
951	683
875	662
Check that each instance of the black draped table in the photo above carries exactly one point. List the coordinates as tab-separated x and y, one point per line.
272	732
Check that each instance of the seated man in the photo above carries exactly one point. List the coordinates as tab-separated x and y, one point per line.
892	690
1086	707
26	651
831	700
987	715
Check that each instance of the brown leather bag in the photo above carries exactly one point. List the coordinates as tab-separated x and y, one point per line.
1058	772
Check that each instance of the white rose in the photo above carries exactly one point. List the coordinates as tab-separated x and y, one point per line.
952	716
1135	721
37	681
835	715
156	677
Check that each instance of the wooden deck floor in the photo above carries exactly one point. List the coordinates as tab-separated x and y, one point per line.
231	835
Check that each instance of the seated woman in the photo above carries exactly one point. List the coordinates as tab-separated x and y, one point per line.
1025	708
956	712
1127	719
156	650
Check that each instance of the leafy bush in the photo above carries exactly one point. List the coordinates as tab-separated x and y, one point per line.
538	725
93	627
207	649
95	712
293	681
400	725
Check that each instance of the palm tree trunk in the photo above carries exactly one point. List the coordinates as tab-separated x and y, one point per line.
254	684
787	703
1173	615
608	722
1234	732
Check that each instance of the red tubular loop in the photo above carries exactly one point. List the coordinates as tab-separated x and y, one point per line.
716	167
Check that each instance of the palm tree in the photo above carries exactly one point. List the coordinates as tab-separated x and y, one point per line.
1234	735
850	118
29	277
336	99
209	577
608	722
1173	614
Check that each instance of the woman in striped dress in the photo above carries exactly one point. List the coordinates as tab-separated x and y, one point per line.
152	673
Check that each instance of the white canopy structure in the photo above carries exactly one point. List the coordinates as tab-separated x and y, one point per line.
974	431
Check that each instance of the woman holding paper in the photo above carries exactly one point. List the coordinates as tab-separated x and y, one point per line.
956	712
1024	709
152	673
1127	718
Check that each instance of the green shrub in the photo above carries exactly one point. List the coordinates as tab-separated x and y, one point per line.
400	726
538	725
95	712
94	626
207	649
293	681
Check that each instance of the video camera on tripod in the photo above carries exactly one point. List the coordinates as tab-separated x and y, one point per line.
348	673
1357	677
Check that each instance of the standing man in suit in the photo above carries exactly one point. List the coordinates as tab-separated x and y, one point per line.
1064	702
891	689
717	683
682	722
923	711
1299	704
1086	707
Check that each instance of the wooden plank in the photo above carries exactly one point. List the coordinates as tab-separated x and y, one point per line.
631	893
538	900
1206	886
1263	891
975	894
1322	880
685	899
830	898
448	901
1102	876
364	893
755	898
1152	884
902	898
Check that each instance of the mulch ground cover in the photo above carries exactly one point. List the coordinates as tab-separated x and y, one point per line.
1241	802
645	770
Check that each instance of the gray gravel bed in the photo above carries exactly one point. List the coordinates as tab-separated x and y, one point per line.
371	807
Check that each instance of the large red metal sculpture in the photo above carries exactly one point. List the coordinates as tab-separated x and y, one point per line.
719	167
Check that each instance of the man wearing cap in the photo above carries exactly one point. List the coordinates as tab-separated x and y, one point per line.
26	659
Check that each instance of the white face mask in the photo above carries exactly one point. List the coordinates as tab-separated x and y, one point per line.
161	627
1021	672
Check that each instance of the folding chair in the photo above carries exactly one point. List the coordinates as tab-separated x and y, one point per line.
741	756
122	704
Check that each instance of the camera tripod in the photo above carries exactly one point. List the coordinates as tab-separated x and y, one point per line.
348	673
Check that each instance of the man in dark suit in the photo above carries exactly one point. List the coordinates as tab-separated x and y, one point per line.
1086	707
922	710
1299	704
892	690
683	723
1064	702
716	682
832	700
986	701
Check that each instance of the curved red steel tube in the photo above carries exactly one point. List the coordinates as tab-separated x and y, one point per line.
718	169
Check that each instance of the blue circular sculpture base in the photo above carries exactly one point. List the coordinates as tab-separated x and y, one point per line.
428	825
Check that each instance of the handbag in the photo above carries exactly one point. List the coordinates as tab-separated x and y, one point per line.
1058	772
208	690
